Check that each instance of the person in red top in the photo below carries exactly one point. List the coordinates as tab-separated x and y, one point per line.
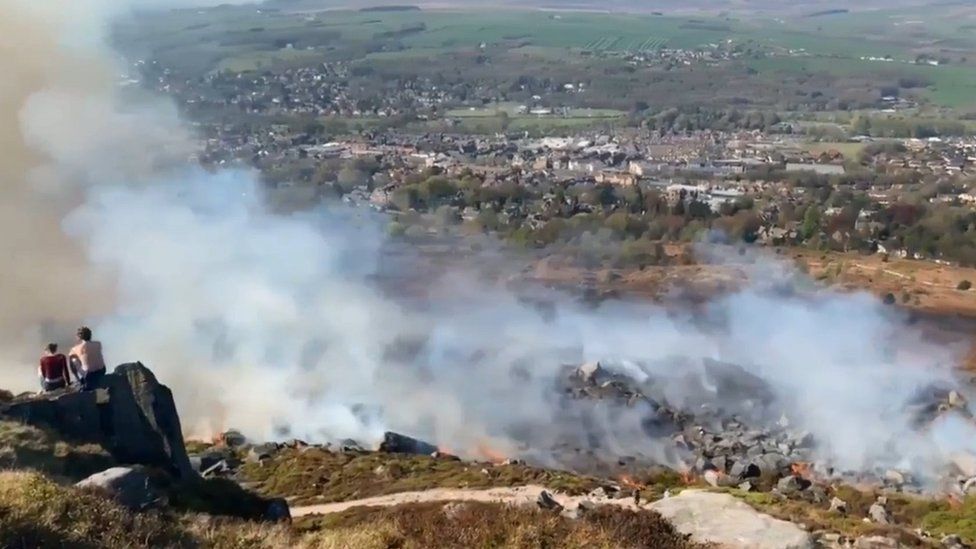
53	369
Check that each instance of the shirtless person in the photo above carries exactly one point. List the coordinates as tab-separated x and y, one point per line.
87	360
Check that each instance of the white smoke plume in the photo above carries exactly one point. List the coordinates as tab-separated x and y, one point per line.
267	322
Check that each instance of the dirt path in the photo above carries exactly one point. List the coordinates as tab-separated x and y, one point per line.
519	495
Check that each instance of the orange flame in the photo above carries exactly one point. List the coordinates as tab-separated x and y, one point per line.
688	477
489	453
628	481
954	501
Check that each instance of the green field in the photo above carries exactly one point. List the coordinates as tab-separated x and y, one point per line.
506	117
512	110
950	85
244	38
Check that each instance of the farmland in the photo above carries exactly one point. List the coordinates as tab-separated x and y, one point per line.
830	61
617	43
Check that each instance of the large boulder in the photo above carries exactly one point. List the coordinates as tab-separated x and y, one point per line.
395	443
131	415
725	522
130	486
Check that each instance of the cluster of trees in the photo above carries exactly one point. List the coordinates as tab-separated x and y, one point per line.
631	218
684	119
907	127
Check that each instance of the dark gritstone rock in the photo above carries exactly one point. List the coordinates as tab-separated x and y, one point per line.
742	470
130	486
261	452
547	502
130	414
709	415
396	443
792	484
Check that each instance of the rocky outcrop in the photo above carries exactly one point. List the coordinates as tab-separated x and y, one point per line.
131	415
725	522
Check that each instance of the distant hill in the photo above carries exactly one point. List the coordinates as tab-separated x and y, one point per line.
391	8
785	7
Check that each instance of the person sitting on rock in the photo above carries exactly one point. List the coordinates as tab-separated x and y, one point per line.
53	370
87	360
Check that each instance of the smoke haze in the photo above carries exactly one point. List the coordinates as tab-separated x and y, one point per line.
265	322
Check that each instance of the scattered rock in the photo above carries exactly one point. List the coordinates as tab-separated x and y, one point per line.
547	502
816	494
590	372
894	477
232	438
956	400
130	486
742	470
838	505
876	542
712	477
620	494
746	486
969	486
772	464
953	541
830	540
703	464
454	509
219	468
211	457
586	505
581	509
877	513
350	445
792	484
723	520
261	452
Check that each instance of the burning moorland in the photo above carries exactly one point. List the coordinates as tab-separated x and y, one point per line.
276	325
778	386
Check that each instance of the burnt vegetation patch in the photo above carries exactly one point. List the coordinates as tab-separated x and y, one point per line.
469	524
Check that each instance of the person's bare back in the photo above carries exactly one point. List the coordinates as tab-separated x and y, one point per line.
89	354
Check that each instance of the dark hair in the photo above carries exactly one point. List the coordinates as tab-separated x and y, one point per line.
52	347
84	333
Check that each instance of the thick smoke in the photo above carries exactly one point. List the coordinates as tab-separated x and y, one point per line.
63	129
263	321
268	323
